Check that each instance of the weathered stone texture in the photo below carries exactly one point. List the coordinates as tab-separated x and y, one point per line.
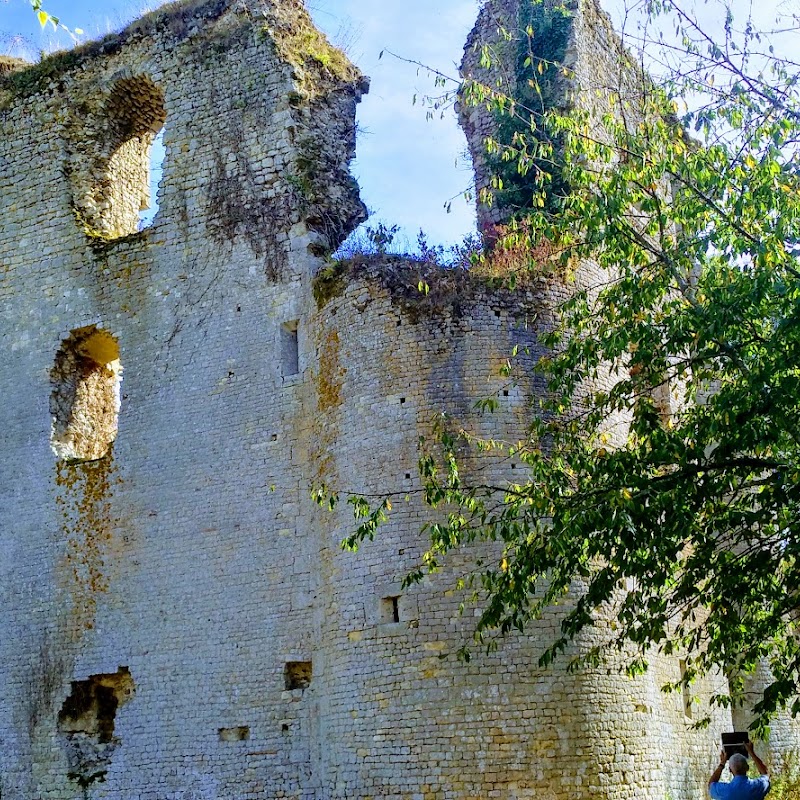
575	56
178	617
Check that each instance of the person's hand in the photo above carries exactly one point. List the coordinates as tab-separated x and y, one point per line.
723	758
749	745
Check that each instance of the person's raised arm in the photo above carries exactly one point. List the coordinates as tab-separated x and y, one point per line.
760	765
717	773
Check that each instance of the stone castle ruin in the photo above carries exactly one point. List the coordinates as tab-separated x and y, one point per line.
179	621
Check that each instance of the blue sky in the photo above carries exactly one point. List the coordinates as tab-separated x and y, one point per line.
408	167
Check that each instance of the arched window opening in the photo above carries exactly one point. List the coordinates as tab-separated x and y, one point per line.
85	396
149	208
112	173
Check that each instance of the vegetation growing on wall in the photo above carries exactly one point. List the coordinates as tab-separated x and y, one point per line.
177	17
299	43
539	47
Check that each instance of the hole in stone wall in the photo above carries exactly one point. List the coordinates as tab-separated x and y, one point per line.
240	733
149	208
390	609
85	396
297	675
91	707
116	162
87	719
290	349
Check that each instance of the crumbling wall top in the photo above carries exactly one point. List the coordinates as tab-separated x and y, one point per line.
249	86
577	60
316	63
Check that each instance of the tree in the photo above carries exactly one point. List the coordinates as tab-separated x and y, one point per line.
43	16
683	522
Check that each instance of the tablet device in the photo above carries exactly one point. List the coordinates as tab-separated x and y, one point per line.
735	742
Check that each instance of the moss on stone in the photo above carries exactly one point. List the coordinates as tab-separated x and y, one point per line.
315	59
426	290
329	282
176	17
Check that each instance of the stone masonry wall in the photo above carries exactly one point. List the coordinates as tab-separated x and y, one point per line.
179	621
183	557
403	717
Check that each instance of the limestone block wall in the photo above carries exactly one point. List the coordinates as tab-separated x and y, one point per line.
178	618
401	715
157	592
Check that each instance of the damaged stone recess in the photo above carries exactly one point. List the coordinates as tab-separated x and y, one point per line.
86	723
111	136
85	397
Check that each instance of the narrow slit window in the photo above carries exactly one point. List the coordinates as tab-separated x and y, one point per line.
290	349
685	694
149	207
390	609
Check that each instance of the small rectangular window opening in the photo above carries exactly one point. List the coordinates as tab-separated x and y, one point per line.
290	350
390	609
238	734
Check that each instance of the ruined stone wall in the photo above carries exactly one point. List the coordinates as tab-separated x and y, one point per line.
577	60
580	63
182	555
402	715
179	619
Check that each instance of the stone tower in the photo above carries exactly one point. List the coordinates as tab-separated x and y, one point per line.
576	58
179	620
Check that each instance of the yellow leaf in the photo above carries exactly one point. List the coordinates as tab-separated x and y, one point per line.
43	17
